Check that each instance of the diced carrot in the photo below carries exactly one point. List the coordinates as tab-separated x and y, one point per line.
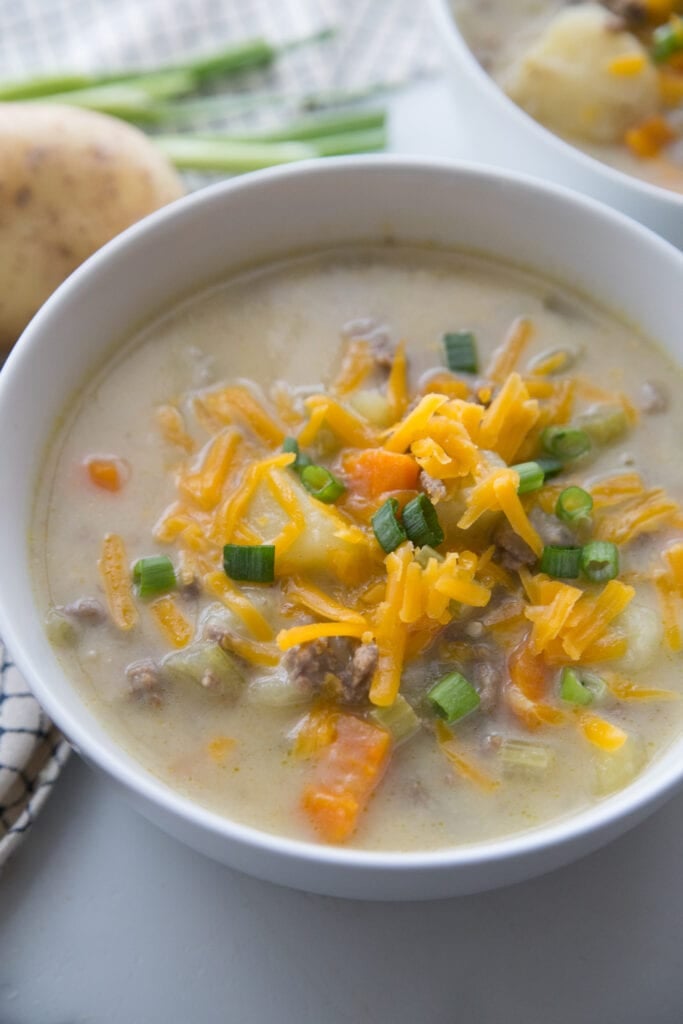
347	773
107	473
375	471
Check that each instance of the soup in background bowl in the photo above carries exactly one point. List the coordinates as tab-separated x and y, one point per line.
587	94
358	549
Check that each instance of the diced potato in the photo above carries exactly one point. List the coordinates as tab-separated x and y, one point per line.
567	80
616	770
643	629
325	546
372	406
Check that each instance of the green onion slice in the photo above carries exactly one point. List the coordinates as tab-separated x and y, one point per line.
422	523
531	476
572	689
253	563
580	687
290	444
453	697
550	467
565	442
154	575
600	561
461	352
388	530
573	505
561	562
321	483
667	40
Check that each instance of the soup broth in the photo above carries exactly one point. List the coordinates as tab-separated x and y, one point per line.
463	706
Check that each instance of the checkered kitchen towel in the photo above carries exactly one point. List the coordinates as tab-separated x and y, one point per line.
376	42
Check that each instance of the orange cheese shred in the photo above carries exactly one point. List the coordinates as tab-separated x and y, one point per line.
116	579
171	621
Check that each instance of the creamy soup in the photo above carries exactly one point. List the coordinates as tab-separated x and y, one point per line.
377	546
607	77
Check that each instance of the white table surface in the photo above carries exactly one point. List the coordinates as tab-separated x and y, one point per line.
105	920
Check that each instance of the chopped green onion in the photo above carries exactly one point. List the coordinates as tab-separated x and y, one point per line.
565	442
525	756
531	476
205	664
667	40
572	688
290	444
600	561
154	575
461	352
573	505
422	523
388	530
399	719
425	553
605	425
321	484
550	467
253	563
453	697
561	562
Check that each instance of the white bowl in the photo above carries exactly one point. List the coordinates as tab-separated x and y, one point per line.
256	218
500	133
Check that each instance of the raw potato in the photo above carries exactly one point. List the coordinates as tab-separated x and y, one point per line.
69	181
564	79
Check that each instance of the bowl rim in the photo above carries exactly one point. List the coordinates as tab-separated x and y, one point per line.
631	803
450	31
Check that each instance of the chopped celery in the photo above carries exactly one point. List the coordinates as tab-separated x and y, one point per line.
60	630
525	756
399	719
206	664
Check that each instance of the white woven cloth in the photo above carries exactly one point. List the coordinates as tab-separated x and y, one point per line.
376	42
